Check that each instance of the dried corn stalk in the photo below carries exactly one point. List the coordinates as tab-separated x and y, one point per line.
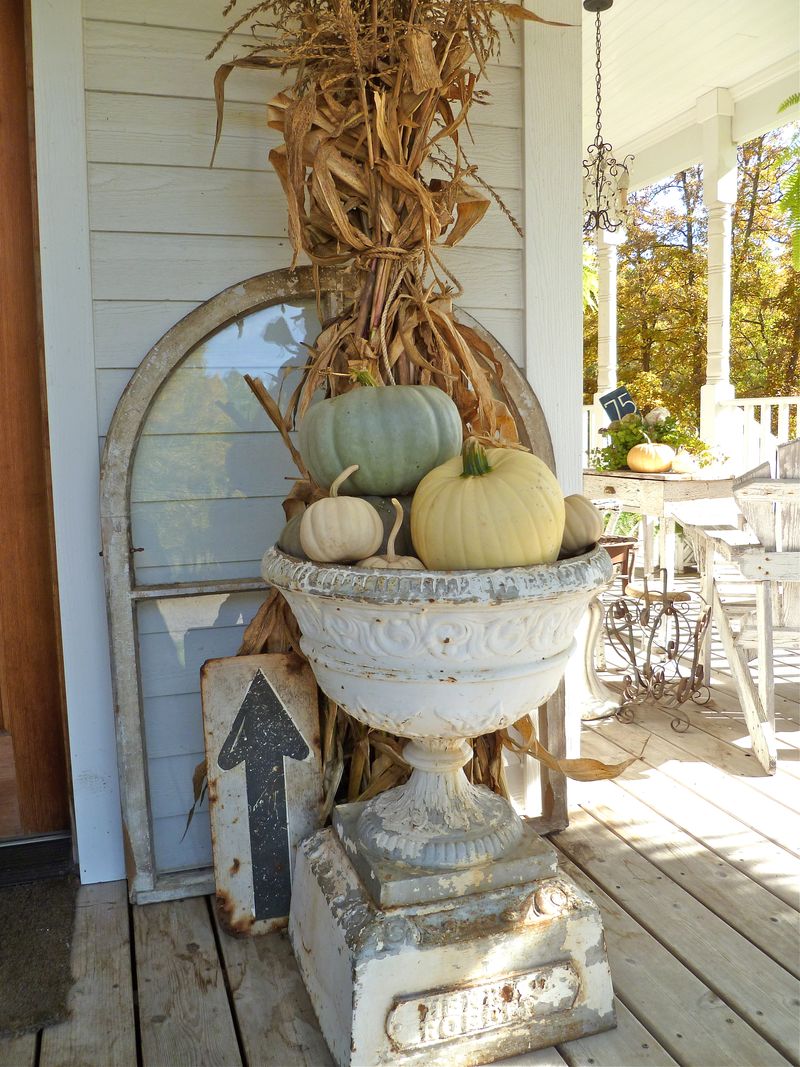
376	180
380	101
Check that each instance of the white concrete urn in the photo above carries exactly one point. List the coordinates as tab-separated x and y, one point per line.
438	657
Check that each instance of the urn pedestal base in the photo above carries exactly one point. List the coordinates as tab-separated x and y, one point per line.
480	976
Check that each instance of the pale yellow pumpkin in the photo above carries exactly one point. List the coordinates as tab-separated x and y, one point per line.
650	458
583	525
339	529
494	507
391	560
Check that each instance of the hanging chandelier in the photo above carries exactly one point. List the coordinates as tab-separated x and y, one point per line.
605	180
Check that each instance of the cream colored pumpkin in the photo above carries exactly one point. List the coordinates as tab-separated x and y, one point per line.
495	507
583	525
391	560
339	529
650	458
684	463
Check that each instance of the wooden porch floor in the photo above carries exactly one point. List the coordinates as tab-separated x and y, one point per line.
692	857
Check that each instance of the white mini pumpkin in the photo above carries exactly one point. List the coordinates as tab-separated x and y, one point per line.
684	463
339	529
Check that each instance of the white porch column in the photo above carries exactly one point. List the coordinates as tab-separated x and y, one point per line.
714	115
607	254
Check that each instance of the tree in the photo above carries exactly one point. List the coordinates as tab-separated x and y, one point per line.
662	284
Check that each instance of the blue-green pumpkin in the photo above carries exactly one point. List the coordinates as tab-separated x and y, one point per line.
395	433
289	540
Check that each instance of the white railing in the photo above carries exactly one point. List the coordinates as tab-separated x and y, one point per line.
764	422
590	438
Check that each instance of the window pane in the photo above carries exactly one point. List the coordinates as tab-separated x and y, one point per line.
210	471
176	636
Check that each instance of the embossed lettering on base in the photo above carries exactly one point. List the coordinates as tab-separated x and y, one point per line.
442	1015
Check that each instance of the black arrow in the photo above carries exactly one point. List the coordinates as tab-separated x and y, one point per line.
263	735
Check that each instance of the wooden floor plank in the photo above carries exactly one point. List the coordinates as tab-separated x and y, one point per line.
18	1051
544	1057
630	1044
101	1027
787	699
757	914
766	817
276	1021
740	763
688	1019
766	863
760	991
718	718
184	1015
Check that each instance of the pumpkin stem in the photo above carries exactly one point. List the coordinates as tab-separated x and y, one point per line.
364	377
391	555
474	458
334	489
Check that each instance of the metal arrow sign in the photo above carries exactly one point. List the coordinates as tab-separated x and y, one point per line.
263	735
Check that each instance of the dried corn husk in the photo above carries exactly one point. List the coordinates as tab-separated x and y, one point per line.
382	91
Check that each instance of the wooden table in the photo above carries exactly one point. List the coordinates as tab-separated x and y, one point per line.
652	496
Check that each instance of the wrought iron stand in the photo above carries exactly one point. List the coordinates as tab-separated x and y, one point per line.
659	635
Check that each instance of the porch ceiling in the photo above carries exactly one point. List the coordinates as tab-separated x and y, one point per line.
659	58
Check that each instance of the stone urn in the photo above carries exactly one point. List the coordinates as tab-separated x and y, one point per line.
440	657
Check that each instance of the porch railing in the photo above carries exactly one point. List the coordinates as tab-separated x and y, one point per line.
763	423
590	438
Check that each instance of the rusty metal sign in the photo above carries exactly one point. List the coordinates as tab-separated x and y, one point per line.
264	781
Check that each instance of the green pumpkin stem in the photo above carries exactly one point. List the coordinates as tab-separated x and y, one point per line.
474	458
364	377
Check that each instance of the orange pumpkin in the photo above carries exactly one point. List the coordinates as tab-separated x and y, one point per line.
650	458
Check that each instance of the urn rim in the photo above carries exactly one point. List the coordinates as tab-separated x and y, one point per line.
584	573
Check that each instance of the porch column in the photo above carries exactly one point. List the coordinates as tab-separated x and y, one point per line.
714	115
607	246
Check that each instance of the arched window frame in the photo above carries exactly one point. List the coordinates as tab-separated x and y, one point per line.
122	591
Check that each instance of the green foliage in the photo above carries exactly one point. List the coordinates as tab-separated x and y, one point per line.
790	205
662	294
589	278
657	425
647	389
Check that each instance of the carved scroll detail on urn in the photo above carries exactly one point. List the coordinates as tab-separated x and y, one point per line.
407	635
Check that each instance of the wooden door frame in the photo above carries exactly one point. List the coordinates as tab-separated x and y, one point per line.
66	297
31	693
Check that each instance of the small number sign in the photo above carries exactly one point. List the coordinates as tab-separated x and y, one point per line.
618	402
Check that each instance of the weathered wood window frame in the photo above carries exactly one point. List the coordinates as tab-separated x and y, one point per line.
123	594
